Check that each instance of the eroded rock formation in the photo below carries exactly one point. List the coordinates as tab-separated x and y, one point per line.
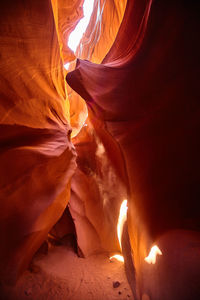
37	156
145	93
140	143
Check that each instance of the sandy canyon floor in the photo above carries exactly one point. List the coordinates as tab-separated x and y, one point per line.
61	274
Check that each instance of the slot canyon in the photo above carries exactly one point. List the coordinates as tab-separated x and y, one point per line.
99	150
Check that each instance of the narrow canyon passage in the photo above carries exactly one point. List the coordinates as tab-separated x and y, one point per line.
99	150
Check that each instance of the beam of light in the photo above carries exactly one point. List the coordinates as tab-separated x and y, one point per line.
121	220
77	33
120	224
151	258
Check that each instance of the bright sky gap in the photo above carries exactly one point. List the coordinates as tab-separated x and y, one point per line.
77	34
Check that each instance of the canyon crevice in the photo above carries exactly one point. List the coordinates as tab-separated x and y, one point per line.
122	123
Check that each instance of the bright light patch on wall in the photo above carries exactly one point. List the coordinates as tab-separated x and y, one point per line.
121	220
120	225
76	35
151	258
117	257
66	65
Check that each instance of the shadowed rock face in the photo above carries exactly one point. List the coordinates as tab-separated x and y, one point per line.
145	93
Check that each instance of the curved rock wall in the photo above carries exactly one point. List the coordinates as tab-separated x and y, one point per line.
145	93
37	157
141	141
97	191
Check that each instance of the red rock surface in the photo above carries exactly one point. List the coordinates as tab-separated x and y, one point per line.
37	157
97	189
141	141
145	93
95	44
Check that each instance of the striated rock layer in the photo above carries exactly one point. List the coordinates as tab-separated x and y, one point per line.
37	157
95	44
141	141
145	95
97	190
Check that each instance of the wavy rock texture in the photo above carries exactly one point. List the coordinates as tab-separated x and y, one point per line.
95	44
141	142
145	94
37	158
96	188
92	196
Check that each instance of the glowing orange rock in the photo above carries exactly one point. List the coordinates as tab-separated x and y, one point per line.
37	157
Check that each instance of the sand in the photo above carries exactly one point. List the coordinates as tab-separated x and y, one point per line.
61	274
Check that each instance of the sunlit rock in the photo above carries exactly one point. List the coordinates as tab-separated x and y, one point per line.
96	195
37	157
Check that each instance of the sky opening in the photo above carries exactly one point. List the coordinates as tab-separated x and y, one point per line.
77	34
